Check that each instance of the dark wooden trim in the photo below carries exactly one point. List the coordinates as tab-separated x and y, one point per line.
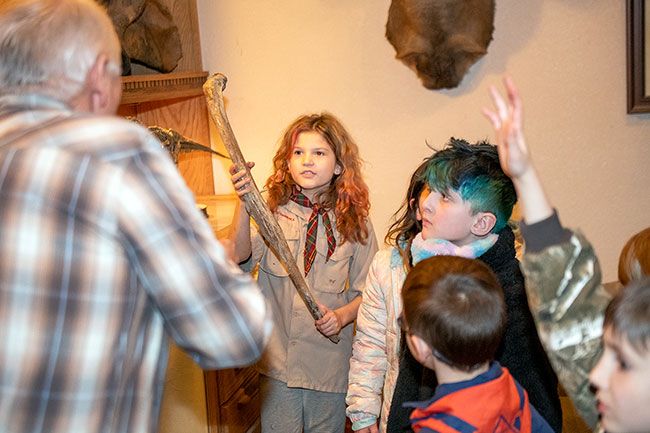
158	87
211	401
638	100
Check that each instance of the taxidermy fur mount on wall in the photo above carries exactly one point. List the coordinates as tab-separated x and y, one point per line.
440	39
147	32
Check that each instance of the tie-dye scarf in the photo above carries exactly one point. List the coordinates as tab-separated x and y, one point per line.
424	248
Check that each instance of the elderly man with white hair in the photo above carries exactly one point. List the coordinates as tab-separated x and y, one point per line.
103	253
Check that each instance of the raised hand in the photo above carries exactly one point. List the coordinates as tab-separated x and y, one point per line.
240	179
506	119
513	153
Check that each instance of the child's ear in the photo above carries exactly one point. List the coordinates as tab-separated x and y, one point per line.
420	350
338	170
483	223
413	205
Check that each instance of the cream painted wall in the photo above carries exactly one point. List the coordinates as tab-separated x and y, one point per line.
288	57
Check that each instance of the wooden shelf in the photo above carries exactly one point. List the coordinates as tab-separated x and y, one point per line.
158	87
174	101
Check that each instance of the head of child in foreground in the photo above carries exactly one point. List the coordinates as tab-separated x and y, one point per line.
318	157
459	194
453	313
634	261
621	378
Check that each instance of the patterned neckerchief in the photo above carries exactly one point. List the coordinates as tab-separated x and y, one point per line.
424	248
312	228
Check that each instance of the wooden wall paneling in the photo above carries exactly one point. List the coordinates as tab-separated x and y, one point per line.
161	87
189	117
213	418
127	110
175	101
187	20
226	401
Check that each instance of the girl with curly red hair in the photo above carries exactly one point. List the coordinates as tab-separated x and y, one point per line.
320	200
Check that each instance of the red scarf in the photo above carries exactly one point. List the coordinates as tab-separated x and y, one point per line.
312	229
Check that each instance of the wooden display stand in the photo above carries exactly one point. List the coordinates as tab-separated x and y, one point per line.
225	401
174	101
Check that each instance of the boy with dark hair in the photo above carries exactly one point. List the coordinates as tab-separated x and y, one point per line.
458	204
454	316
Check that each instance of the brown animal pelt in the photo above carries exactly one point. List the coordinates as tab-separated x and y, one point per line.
440	39
147	32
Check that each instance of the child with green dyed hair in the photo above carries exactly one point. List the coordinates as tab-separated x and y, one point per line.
472	171
458	203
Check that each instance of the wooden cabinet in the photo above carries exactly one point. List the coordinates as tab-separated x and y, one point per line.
236	406
225	401
232	396
174	101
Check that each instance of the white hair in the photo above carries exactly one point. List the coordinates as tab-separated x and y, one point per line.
50	46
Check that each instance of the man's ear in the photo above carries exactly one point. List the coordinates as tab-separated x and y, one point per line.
99	85
483	223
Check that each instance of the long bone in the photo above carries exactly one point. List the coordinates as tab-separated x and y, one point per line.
255	204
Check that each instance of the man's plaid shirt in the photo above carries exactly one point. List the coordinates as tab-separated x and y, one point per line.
102	255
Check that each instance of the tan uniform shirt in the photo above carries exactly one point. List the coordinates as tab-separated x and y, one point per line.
297	353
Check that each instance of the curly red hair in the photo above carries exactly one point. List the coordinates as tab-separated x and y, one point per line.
347	193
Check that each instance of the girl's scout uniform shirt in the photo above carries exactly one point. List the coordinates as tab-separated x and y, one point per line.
297	353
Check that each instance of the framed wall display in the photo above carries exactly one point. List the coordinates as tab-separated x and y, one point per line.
638	56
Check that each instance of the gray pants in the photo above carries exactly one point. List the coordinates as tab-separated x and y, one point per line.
297	410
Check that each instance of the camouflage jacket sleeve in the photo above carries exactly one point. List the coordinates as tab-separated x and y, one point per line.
565	295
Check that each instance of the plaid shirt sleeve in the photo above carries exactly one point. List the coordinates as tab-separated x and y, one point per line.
210	308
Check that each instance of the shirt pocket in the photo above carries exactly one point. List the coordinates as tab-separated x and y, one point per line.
270	262
332	277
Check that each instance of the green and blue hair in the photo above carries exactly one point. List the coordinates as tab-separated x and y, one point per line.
474	172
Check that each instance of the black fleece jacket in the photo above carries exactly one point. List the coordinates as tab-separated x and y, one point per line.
520	350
